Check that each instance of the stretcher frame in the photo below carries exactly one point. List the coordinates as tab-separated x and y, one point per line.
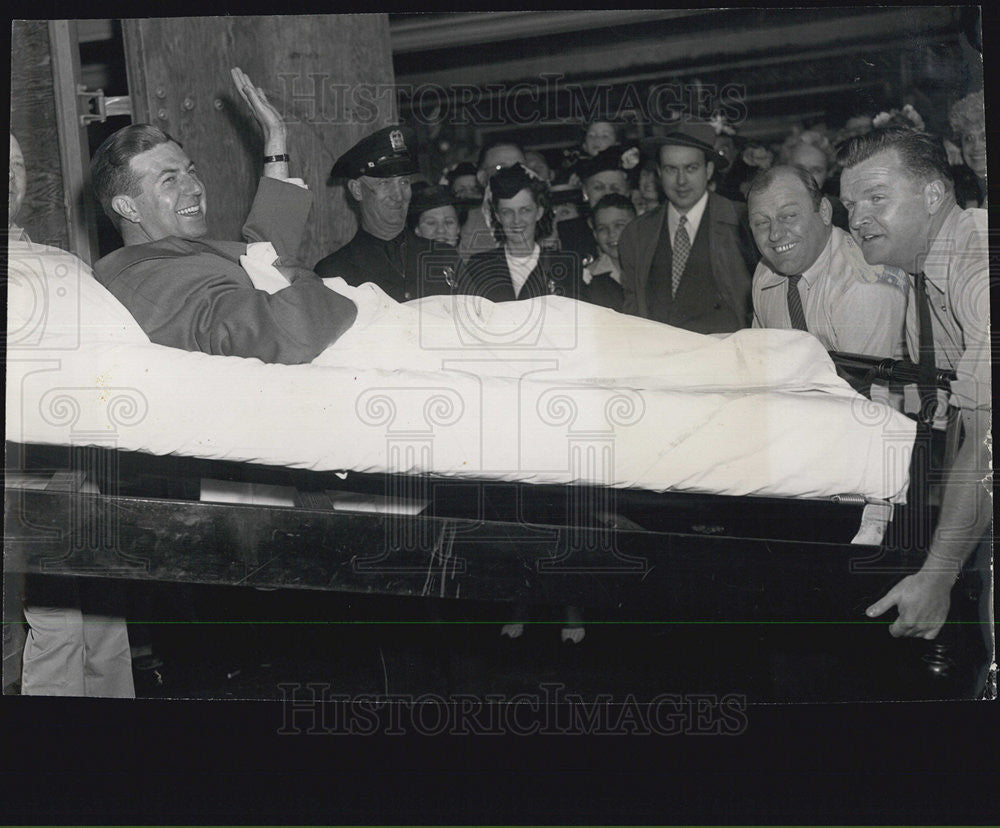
703	558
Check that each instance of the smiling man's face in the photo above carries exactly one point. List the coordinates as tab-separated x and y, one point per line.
684	174
888	211
789	230
171	199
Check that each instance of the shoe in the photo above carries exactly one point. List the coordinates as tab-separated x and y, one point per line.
147	674
512	631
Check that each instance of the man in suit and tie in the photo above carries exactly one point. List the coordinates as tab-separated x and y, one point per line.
688	262
191	292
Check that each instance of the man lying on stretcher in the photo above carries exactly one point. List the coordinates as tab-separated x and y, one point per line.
191	292
188	291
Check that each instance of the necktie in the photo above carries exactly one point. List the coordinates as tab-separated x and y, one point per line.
795	311
927	370
682	249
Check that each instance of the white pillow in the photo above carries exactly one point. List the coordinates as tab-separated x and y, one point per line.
55	303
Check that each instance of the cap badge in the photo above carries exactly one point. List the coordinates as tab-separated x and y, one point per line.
396	139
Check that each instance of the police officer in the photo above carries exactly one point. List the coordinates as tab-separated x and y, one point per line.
377	172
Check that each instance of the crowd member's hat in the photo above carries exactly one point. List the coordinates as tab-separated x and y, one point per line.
465	168
383	154
509	181
565	194
697	134
429	198
615	157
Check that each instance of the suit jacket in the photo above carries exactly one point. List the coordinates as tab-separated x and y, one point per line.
733	256
193	293
487	275
429	268
575	236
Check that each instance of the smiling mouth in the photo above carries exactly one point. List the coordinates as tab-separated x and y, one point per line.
190	211
870	237
784	248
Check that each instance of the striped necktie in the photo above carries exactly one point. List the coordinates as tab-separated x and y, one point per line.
681	251
795	312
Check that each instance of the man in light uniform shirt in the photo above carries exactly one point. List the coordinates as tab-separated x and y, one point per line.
846	303
898	191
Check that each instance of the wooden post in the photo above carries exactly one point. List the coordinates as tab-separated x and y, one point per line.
78	199
33	121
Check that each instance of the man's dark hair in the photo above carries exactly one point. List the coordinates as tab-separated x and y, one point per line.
765	178
616	200
507	183
922	154
493	145
110	169
465	168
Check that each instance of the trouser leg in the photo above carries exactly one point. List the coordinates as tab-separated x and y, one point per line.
69	652
53	649
107	659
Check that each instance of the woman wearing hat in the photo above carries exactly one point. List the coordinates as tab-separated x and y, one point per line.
520	216
462	181
598	135
436	215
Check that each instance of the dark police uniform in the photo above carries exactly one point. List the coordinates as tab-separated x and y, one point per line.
405	267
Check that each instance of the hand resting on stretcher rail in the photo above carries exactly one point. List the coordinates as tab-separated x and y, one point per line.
547	390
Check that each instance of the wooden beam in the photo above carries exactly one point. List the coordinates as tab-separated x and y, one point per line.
702	69
680	50
81	213
686	576
420	33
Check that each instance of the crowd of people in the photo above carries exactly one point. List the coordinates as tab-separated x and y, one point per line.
862	239
581	201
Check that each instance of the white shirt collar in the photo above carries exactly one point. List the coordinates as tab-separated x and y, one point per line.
520	267
822	263
771	278
693	217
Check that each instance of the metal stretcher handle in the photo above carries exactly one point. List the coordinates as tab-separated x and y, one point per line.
889	370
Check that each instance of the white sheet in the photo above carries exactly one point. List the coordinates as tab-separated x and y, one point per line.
547	390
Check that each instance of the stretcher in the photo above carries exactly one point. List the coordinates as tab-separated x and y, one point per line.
702	556
413	521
